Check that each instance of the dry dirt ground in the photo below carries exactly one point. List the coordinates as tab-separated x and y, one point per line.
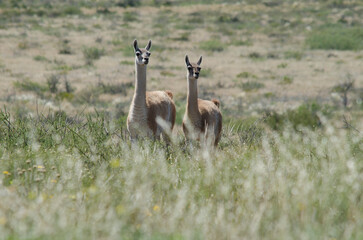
277	57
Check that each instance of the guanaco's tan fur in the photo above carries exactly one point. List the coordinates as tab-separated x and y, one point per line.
202	117
149	106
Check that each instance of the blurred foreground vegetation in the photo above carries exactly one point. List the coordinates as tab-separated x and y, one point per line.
79	177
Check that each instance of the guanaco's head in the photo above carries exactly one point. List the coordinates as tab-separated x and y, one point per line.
193	68
142	55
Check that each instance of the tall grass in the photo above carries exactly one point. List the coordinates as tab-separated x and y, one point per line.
79	178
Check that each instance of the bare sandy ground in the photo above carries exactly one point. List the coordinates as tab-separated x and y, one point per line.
313	76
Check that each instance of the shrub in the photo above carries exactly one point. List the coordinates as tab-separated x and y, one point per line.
130	16
206	72
305	115
251	85
212	45
118	88
294	54
128	3
53	81
92	53
255	55
28	85
246	75
286	80
337	37
226	18
41	59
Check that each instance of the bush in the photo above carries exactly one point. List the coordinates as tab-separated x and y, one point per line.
306	115
92	53
338	37
130	16
28	85
246	75
294	54
251	85
53	81
212	45
119	88
128	3
286	80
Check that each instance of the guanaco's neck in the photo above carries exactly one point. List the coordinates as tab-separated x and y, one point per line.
140	86
192	99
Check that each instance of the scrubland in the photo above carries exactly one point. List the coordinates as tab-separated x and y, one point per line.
289	78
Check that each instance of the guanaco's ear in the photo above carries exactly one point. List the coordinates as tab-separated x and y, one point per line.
187	60
135	45
148	46
199	61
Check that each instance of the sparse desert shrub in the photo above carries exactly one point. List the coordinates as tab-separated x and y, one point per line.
92	53
282	65
53	81
251	85
130	16
286	80
68	86
240	42
293	54
255	56
103	10
23	45
71	10
343	89
166	73
118	88
246	75
128	3
41	59
65	96
126	62
337	36
212	45
28	85
226	18
64	47
305	115
182	37
206	72
126	49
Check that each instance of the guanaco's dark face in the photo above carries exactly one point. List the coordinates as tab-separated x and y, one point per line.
193	68
142	55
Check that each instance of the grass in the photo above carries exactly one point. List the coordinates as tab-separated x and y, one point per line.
118	88
336	36
206	72
284	175
293	54
28	85
246	75
40	58
92	53
251	85
286	80
307	115
130	16
212	46
79	177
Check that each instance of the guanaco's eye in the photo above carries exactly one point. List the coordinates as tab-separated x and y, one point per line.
199	69
138	53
